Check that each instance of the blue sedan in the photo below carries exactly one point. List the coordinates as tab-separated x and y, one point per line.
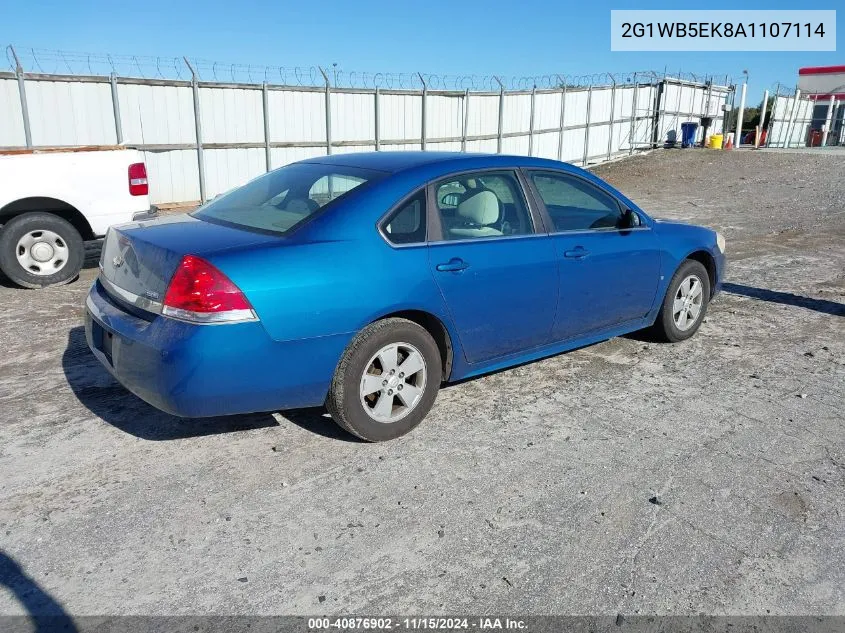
365	281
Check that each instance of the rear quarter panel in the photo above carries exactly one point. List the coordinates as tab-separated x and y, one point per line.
323	288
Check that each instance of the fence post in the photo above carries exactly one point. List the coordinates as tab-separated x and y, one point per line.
562	119
587	125
827	120
762	126
115	105
328	111
424	99
738	139
610	129
531	122
792	114
27	132
633	116
265	103
501	114
198	129
466	121
376	119
658	103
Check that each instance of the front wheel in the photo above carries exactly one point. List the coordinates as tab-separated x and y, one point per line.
685	303
386	381
40	249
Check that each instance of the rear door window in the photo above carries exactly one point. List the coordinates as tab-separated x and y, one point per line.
482	205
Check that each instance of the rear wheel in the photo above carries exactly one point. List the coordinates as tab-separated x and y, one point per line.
685	303
386	381
40	249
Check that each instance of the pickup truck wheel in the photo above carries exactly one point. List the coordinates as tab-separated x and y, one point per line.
39	250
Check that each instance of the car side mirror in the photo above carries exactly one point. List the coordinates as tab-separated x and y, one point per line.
630	219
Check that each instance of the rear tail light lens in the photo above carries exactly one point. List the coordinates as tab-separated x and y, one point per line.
200	293
138	185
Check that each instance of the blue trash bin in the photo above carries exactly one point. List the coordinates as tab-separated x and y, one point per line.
688	134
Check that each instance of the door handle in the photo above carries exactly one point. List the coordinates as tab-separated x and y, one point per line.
579	252
454	265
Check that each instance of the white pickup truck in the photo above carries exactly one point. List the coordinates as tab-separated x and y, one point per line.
52	200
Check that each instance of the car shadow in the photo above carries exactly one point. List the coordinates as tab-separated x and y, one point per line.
787	298
101	394
44	613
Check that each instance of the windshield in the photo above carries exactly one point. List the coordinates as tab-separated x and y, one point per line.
282	199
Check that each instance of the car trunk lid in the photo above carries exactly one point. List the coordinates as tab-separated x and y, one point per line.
138	260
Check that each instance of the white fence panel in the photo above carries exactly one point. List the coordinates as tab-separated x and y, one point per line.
281	156
231	115
228	168
401	118
156	114
353	116
11	119
173	175
296	116
547	110
444	117
70	113
483	117
517	114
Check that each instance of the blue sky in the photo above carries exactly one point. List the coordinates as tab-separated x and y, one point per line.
531	37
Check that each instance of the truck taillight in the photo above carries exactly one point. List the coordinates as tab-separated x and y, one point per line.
200	293
138	185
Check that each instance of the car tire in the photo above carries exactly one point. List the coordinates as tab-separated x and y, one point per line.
367	364
39	250
673	324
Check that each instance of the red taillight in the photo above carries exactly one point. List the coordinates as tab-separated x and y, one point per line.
199	292
138	185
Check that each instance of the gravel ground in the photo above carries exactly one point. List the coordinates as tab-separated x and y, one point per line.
626	477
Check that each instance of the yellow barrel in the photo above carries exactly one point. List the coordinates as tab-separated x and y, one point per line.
715	141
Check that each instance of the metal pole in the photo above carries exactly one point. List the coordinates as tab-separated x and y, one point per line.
115	104
587	125
377	124
531	123
422	126
501	114
658	102
265	102
610	128
763	109
466	121
633	116
562	119
792	115
827	120
328	112
27	132
198	129
738	139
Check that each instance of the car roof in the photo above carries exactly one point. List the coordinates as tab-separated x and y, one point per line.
394	162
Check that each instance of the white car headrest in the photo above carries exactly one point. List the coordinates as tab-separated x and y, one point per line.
481	209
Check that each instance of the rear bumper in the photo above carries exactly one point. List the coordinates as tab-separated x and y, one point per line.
149	214
208	370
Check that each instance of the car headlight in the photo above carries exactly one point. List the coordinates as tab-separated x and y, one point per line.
720	242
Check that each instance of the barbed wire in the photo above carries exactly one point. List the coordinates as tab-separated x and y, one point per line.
59	62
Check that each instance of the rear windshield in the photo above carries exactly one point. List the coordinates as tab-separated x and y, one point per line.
282	199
